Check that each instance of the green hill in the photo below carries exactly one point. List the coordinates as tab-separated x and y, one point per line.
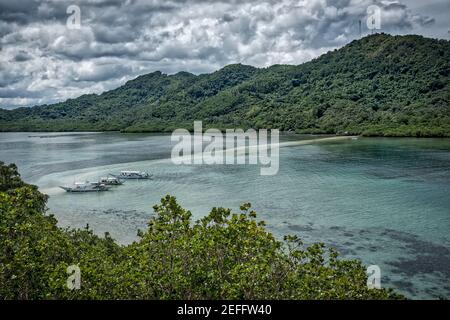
378	85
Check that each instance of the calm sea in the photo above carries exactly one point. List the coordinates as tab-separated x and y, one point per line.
382	200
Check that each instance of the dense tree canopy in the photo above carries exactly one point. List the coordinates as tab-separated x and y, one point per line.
225	255
378	85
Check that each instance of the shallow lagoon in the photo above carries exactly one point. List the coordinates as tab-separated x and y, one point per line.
382	200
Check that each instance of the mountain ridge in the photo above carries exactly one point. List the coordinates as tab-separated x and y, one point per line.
378	85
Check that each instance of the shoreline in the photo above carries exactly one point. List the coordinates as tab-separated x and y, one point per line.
191	131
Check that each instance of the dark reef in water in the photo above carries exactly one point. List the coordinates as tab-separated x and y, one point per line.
409	262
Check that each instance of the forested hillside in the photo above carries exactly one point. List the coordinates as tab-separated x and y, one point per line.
378	85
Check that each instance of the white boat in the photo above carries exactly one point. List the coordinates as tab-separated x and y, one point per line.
132	175
86	187
110	181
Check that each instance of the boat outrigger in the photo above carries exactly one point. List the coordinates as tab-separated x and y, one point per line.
86	187
132	175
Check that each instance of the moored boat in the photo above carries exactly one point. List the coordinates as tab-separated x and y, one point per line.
132	175
110	181
86	187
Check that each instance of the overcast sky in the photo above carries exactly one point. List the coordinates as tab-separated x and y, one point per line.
42	60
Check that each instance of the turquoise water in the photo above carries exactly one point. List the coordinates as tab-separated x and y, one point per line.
384	201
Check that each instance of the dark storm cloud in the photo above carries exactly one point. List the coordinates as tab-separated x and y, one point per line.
8	78
22	56
17	11
14	93
116	34
42	61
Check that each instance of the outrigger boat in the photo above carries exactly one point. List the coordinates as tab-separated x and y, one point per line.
86	187
110	181
132	175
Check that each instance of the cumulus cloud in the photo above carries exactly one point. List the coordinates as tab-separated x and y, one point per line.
44	61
